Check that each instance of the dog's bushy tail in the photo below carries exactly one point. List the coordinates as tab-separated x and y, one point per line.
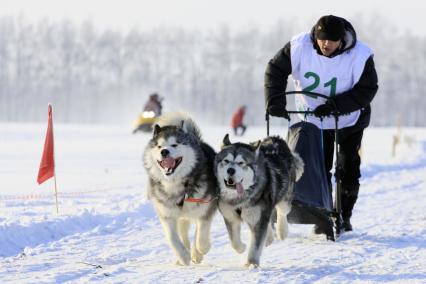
275	145
180	119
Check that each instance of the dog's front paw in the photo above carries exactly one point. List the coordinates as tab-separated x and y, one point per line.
180	263
282	234
184	258
204	248
251	265
196	256
239	247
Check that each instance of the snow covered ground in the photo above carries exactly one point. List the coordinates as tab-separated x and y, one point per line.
107	232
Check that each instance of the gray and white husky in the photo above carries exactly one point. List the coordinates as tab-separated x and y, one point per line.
254	179
182	184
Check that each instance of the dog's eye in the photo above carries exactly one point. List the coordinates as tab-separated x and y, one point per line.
240	163
159	147
174	145
226	161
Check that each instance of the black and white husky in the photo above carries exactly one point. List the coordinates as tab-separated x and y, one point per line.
182	184
254	179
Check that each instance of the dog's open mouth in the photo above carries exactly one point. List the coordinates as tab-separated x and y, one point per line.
232	184
170	164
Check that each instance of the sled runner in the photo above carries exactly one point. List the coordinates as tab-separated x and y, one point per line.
313	198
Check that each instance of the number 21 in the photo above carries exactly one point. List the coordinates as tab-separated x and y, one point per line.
332	83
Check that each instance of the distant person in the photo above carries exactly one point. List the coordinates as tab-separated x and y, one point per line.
237	121
329	60
154	104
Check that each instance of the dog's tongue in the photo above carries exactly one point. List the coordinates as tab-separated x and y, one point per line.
168	163
240	188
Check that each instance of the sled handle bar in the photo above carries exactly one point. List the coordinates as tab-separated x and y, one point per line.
335	112
300	111
306	93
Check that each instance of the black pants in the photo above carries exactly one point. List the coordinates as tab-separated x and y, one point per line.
350	143
243	129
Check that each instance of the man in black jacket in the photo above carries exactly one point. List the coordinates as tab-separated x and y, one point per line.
331	61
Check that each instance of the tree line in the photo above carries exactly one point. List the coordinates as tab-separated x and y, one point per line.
104	76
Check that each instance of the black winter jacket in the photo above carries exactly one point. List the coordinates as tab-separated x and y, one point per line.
359	97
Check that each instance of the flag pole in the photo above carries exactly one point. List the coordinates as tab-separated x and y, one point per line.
54	163
56	195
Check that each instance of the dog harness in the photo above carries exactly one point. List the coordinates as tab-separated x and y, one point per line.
189	197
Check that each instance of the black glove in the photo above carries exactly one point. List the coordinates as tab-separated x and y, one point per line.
323	110
278	111
276	108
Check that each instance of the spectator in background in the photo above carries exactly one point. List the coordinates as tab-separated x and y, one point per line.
237	121
153	104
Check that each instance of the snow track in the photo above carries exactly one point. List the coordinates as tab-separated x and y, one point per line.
114	236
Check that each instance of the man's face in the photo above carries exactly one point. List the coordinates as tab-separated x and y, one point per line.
327	46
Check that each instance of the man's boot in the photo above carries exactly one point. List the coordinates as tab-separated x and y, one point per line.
349	197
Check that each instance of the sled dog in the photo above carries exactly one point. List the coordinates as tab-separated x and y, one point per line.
182	185
254	179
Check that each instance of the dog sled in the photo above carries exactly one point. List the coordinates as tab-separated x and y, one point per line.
313	199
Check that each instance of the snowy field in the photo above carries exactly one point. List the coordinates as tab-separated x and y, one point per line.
107	232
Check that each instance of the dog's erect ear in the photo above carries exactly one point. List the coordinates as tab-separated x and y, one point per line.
255	146
157	129
226	141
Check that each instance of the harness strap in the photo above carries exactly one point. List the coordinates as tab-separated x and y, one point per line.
199	200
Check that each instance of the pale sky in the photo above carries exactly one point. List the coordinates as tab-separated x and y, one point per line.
144	14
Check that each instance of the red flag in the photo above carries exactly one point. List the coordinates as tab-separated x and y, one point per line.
47	164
